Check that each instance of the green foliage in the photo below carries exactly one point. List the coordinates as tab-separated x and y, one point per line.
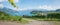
47	16
5	16
54	15
26	16
38	14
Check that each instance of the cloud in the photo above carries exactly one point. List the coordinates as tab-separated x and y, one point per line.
16	1
3	0
1	5
49	7
19	9
45	7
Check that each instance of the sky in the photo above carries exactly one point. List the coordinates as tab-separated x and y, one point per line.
31	4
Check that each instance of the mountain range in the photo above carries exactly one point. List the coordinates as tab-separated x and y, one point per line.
27	12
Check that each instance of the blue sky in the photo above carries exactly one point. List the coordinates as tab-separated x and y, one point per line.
32	4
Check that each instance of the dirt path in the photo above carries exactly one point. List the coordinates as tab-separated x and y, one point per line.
9	23
36	22
33	22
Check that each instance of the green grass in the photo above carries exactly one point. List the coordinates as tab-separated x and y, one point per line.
44	19
13	18
24	21
7	17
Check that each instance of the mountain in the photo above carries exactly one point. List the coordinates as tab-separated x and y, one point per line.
9	11
46	11
26	12
58	10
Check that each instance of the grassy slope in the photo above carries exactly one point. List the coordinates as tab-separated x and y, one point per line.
4	16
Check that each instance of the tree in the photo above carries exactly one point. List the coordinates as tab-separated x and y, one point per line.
38	14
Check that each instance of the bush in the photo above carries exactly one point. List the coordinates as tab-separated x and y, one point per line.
54	15
5	16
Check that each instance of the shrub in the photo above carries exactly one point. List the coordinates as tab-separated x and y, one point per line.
5	16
